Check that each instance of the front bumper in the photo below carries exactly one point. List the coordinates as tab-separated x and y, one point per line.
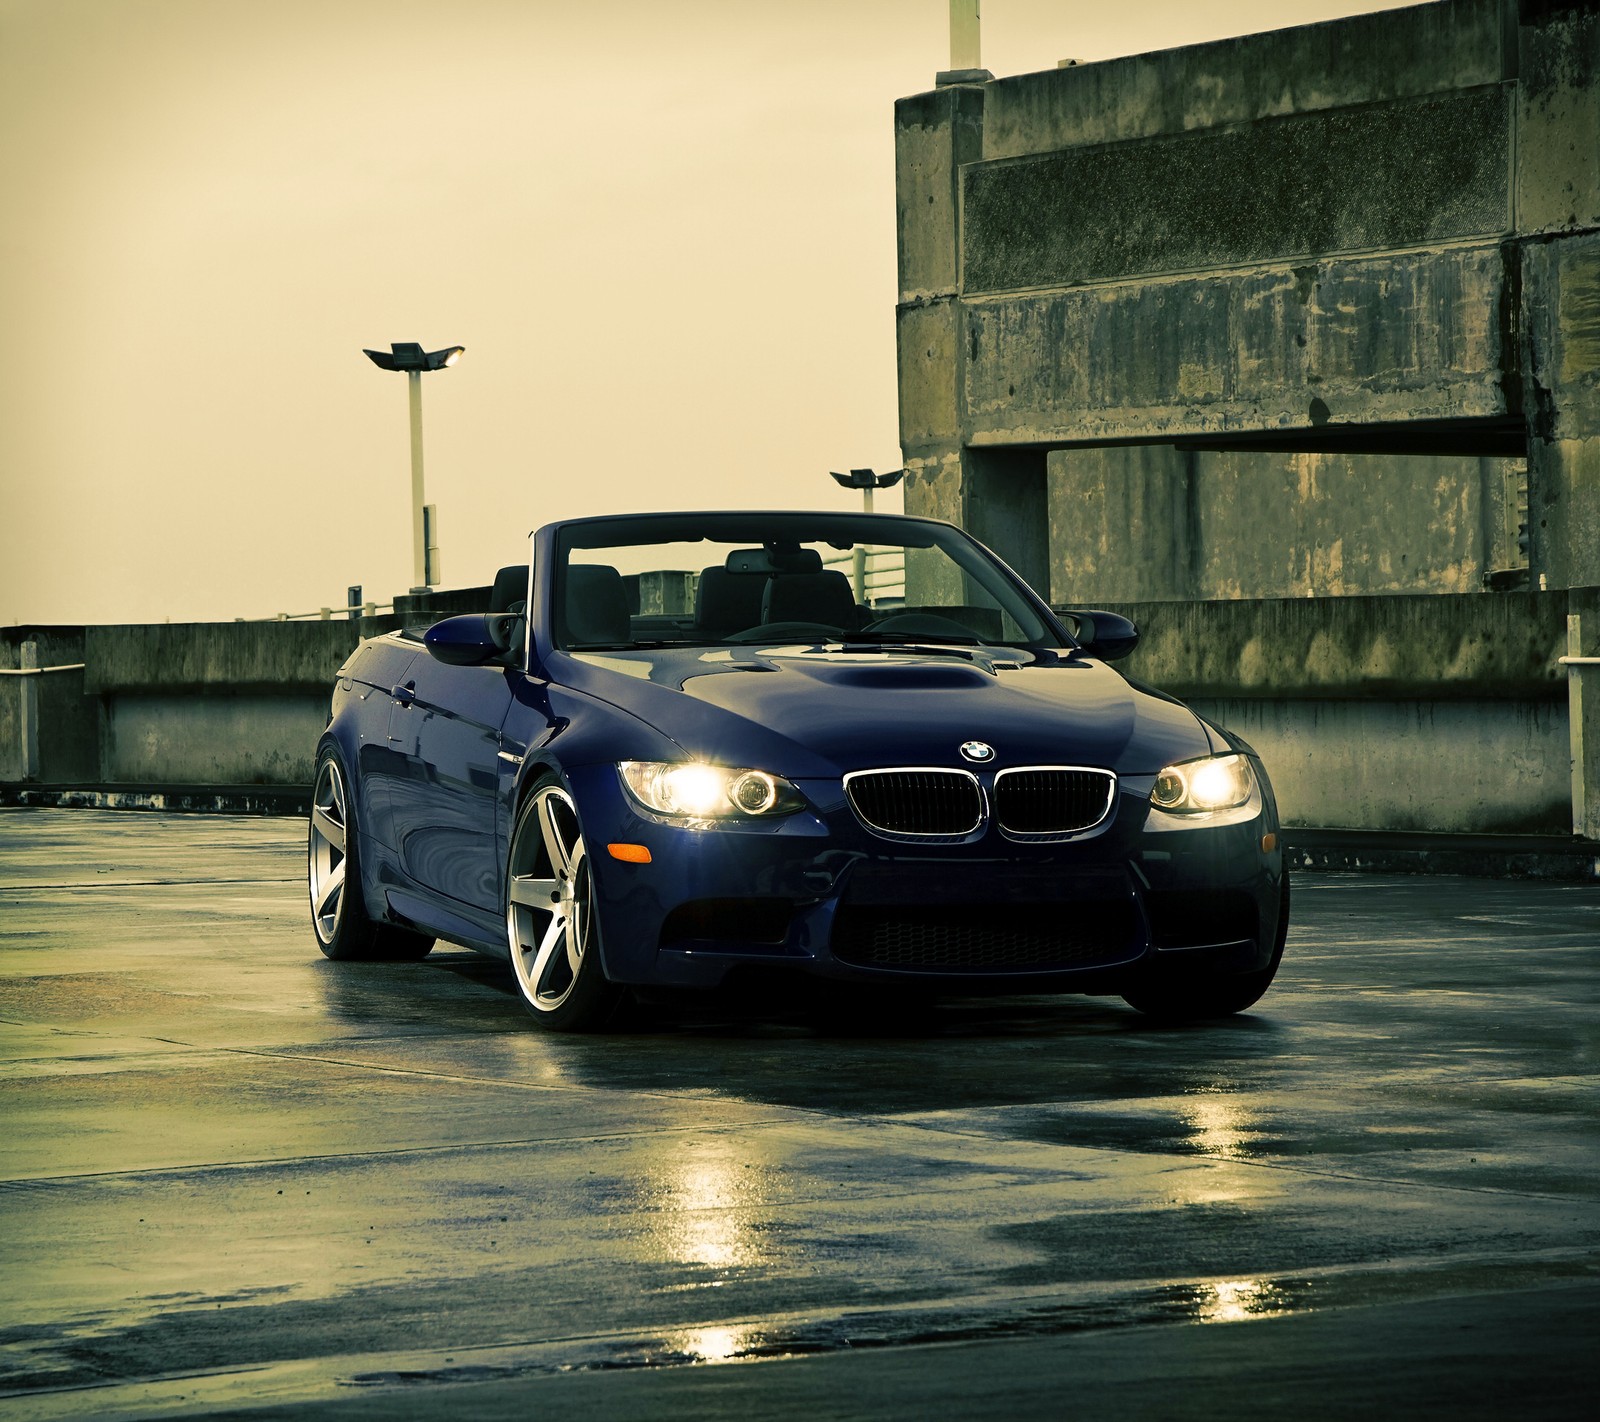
815	892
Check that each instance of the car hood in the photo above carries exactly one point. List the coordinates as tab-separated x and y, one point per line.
812	711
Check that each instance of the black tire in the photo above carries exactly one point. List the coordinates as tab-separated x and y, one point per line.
552	926
1185	997
344	930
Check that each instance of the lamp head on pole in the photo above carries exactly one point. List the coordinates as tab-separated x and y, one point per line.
866	479
409	356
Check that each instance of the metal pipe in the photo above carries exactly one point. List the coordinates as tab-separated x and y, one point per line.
965	35
1575	689
419	550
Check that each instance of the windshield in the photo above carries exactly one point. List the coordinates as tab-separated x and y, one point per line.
734	579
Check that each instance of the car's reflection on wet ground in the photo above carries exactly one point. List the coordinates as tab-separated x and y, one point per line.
235	1173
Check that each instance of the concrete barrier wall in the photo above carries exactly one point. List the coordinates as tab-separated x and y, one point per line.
1159	523
1439	647
65	722
1429	712
213	739
1448	767
229	656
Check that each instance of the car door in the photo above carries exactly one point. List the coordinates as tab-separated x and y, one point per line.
446	724
382	666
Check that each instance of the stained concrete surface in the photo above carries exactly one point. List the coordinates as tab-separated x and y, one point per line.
237	1178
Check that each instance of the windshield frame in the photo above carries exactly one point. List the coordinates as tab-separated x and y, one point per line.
760	526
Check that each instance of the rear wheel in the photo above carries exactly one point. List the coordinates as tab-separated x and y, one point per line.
551	922
1173	997
338	912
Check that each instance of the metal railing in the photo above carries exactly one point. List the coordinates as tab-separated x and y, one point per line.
326	614
878	575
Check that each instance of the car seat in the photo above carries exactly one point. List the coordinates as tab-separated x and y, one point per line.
595	608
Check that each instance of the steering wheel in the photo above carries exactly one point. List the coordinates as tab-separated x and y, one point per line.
927	624
777	631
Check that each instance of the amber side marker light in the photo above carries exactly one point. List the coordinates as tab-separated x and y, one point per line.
1269	842
629	853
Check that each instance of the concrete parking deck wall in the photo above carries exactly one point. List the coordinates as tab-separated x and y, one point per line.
182	707
1443	713
1309	314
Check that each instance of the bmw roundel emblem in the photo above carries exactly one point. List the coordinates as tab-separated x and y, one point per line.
977	750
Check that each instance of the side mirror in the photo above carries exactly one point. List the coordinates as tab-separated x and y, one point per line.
474	639
1107	635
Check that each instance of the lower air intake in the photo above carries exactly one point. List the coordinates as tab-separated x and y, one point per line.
982	939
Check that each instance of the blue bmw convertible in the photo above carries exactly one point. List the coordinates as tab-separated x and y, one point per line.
679	749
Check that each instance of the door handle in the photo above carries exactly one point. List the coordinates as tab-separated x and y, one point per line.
406	695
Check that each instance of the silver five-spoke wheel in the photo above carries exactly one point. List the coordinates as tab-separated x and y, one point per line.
326	859
551	923
333	875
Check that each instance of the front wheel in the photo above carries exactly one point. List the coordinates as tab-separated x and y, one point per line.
551	920
1173	998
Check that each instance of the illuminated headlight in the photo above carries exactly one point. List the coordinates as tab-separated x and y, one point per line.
1200	787
694	790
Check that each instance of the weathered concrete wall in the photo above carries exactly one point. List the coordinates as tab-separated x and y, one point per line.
66	723
180	704
1370	245
1338	227
1401	688
1287	346
1150	522
1123	524
1376	58
935	134
190	704
1441	713
274	656
213	739
1440	766
1418	171
1558	160
1562	289
1441	648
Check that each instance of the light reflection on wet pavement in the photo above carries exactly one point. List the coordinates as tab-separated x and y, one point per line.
227	1158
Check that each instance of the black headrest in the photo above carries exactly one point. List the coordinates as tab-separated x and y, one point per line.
810	597
727	602
595	608
510	585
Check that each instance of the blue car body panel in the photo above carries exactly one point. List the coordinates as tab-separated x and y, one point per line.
442	756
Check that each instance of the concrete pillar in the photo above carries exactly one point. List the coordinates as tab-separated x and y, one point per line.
1561	395
28	662
998	495
1558	116
666	592
1583	710
1006	506
1558	192
934	134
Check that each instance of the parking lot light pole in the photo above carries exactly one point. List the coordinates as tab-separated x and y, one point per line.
869	483
411	358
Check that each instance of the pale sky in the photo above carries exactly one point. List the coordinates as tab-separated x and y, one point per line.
663	231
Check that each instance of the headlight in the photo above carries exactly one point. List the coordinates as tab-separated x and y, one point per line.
1199	787
693	790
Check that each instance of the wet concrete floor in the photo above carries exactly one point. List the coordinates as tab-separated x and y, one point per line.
236	1178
